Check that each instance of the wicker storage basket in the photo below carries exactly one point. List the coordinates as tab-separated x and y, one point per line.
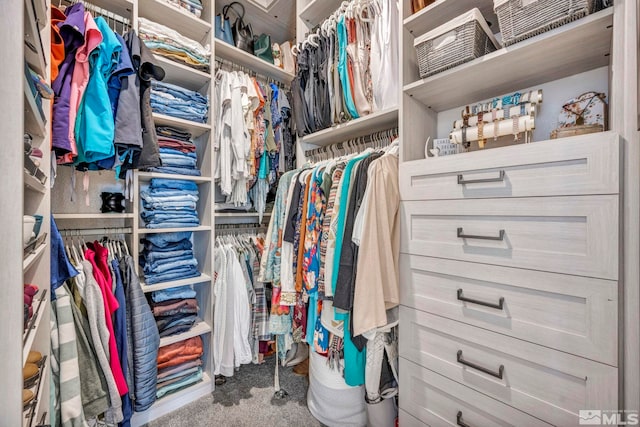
521	19
460	40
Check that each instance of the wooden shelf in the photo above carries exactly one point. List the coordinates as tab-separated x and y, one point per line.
196	129
203	278
366	125
173	230
443	11
40	9
176	18
237	56
123	8
34	123
31	336
30	260
240	214
174	401
33	45
183	75
101	216
33	184
580	46
199	328
147	176
318	10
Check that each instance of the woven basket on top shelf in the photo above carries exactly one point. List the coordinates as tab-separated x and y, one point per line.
461	40
522	19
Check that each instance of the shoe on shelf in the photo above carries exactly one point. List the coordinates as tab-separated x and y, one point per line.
34	357
27	397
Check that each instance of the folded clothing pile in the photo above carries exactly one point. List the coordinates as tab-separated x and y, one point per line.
167	257
175	310
179	102
193	6
171	44
180	160
179	366
170	203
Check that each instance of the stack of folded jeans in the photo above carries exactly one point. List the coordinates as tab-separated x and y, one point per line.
170	203
193	6
167	257
179	366
175	310
172	45
179	102
183	151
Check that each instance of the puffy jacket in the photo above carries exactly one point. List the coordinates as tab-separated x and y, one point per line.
143	338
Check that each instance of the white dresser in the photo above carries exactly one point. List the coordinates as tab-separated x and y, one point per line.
509	284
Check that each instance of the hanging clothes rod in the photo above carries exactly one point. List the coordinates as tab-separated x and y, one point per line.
385	137
236	228
95	231
221	62
110	16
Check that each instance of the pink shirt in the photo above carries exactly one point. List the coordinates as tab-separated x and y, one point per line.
98	259
80	78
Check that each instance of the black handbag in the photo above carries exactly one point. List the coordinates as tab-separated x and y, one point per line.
242	32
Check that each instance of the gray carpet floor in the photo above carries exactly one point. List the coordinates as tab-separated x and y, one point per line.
247	400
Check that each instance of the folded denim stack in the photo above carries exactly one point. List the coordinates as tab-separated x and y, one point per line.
175	310
179	102
179	366
167	257
193	6
177	157
170	203
172	45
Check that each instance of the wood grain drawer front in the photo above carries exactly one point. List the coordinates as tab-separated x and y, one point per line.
431	399
545	383
571	235
578	315
580	165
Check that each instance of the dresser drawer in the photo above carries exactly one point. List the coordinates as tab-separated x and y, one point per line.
571	235
578	315
431	399
545	383
580	165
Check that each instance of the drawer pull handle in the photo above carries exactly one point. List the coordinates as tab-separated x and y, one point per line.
459	420
498	306
481	368
463	181
461	235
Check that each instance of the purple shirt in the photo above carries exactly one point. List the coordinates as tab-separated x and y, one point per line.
72	32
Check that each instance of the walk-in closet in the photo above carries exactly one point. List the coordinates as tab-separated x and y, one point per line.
320	213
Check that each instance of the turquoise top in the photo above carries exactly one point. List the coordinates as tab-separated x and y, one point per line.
95	125
342	68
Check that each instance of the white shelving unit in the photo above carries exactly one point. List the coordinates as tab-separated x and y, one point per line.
365	125
199	328
238	56
568	60
317	10
28	38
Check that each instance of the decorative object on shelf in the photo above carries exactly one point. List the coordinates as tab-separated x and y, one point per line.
223	27
277	55
418	5
112	202
460	40
262	47
441	147
509	115
582	115
522	19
